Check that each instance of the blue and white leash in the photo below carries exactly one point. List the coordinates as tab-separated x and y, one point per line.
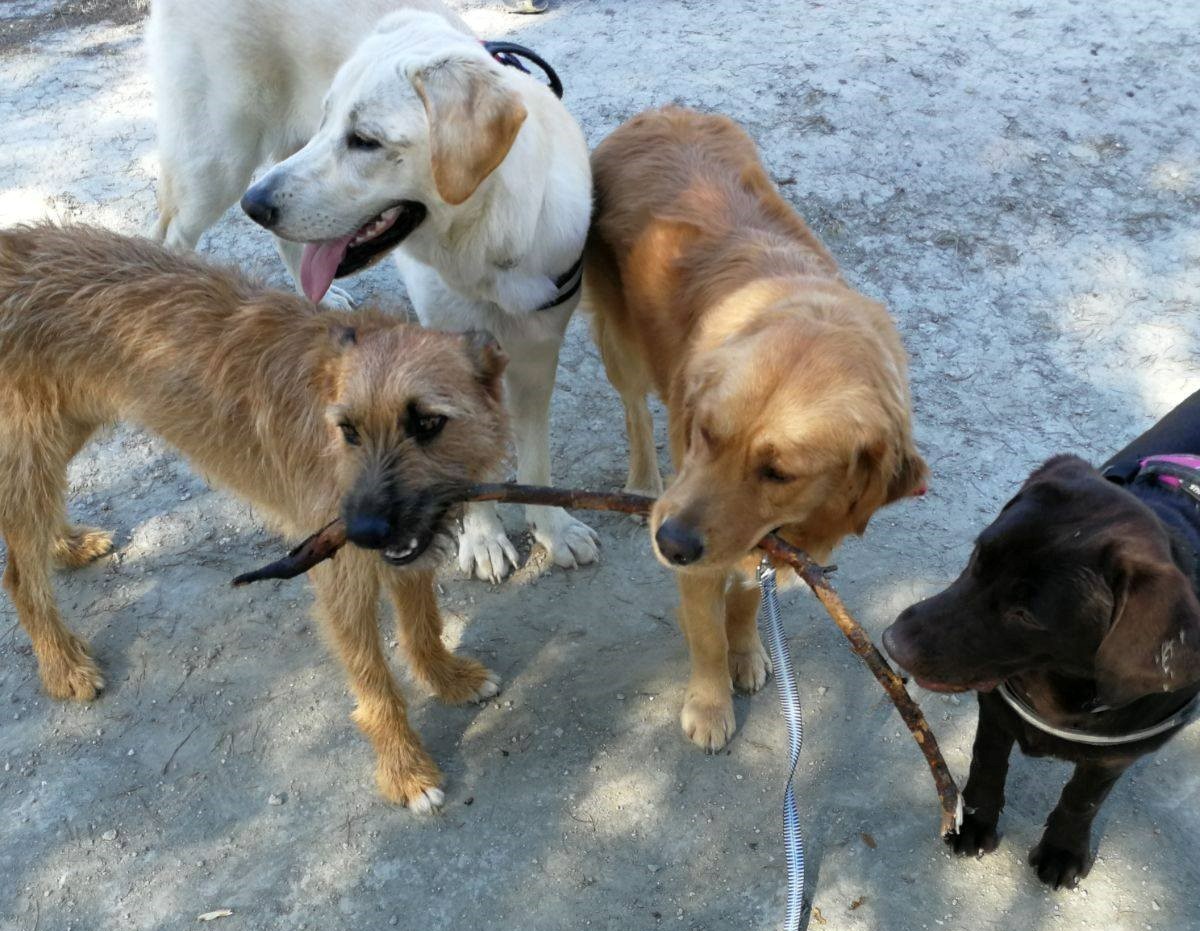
771	623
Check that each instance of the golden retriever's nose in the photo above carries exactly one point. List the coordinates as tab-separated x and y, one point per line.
678	542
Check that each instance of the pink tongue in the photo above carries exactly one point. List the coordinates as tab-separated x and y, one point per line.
319	265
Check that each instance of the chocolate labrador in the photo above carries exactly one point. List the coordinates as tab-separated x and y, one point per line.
1076	621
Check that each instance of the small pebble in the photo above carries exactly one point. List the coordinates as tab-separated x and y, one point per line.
274	799
620	696
110	834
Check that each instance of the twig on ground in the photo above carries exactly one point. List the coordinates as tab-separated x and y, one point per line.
327	541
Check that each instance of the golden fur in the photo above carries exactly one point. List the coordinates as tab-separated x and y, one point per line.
786	389
258	389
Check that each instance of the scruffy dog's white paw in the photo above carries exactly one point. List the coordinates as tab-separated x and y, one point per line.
569	542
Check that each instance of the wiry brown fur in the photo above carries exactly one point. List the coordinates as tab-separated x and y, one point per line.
786	389
250	385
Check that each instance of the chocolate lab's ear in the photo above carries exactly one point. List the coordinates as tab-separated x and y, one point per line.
473	121
488	358
1153	642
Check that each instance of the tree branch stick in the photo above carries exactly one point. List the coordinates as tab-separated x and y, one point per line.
327	541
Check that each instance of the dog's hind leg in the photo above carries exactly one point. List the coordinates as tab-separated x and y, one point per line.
347	592
33	473
453	679
749	664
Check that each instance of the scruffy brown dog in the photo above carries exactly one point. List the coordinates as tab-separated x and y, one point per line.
305	414
787	390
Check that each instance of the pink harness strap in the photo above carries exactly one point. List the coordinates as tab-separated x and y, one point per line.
1186	460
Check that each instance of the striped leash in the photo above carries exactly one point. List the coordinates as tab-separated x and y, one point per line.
771	623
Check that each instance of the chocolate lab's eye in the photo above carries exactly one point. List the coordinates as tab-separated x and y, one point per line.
424	427
769	473
362	143
349	434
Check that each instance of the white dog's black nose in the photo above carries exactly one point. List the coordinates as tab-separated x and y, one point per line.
259	204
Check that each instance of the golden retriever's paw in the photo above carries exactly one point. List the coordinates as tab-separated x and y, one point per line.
465	680
70	672
569	542
417	787
708	722
751	669
82	545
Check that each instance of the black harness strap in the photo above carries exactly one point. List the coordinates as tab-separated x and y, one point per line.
510	54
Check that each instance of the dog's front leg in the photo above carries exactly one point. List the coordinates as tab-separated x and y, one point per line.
347	592
983	797
707	716
1063	855
454	679
529	380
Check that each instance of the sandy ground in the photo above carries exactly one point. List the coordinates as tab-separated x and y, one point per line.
1020	183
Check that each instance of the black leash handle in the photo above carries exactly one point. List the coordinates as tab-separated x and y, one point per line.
510	54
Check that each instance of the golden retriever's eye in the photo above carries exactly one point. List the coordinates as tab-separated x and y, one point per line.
349	434
769	473
362	143
423	427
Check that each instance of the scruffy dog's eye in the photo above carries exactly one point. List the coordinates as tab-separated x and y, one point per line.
424	427
362	143
349	434
772	474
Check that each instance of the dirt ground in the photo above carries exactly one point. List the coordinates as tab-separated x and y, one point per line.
1019	181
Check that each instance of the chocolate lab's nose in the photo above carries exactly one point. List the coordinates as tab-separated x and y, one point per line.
368	530
679	543
259	204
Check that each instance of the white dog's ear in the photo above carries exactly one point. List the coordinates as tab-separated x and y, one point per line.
473	121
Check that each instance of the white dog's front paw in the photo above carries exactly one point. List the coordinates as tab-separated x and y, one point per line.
485	552
338	299
569	542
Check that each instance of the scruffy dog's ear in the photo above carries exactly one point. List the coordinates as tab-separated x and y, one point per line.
1153	641
473	121
487	357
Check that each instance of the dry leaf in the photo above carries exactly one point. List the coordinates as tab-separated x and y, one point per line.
817	916
214	915
868	840
857	902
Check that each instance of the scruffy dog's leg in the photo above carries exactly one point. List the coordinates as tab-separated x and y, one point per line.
33	475
453	679
347	591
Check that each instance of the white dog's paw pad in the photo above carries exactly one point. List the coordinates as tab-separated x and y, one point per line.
338	299
488	556
569	542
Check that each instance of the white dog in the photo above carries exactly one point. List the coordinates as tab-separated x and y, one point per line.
393	123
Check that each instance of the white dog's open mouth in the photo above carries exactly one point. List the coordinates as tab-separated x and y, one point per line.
335	258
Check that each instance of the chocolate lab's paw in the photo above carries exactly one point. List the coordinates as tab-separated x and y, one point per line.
975	837
1060	867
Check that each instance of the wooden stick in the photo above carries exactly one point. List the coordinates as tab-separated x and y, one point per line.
327	541
861	644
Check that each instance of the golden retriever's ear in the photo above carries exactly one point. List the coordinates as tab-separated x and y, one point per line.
488	358
1153	640
910	476
883	476
473	121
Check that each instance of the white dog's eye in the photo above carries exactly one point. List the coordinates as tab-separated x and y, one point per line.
362	143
